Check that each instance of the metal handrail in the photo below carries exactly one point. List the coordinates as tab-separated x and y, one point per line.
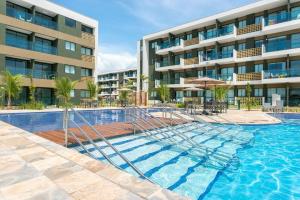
198	147
109	144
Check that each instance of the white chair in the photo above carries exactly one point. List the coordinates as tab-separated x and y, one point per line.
279	106
267	107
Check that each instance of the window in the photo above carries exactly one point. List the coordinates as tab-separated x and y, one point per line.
279	91
211	73
211	33
295	13
87	29
70	46
258	43
86	72
277	44
188	93
276	67
86	51
43	45
242	24
226	73
153	94
258	68
241	92
294	68
153	45
177	59
70	22
277	17
258	20
258	92
227	29
45	20
242	69
69	69
201	35
189	55
85	94
18	12
227	52
230	95
72	93
242	46
189	36
17	39
295	40
16	66
200	74
43	71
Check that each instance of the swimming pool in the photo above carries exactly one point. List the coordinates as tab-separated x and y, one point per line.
269	169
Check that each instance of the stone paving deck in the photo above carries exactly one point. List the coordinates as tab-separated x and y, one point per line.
34	168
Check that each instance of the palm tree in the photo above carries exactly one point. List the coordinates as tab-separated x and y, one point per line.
164	92
2	96
93	89
12	86
31	90
129	84
221	93
64	87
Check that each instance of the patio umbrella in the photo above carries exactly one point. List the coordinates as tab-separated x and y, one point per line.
205	81
192	89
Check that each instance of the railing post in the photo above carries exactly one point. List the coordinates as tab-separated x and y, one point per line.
65	126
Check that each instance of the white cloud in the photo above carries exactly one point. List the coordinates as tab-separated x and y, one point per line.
112	61
165	13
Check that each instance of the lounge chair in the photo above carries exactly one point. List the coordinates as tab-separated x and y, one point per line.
279	106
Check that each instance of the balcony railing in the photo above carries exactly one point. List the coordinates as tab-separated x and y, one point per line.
249	52
282	45
218	33
223	77
24	44
167	45
88	58
272	74
249	76
215	56
38	74
28	17
191	42
191	61
249	29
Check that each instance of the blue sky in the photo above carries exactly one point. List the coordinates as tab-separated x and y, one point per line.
123	22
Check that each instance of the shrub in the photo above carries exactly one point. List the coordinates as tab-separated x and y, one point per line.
33	106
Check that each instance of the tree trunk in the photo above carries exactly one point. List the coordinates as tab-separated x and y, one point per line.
9	102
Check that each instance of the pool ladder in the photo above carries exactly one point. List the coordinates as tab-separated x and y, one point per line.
91	141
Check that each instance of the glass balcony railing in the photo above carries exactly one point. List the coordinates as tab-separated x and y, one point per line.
166	45
223	77
215	56
45	22
218	33
39	74
280	45
271	74
28	17
281	17
25	44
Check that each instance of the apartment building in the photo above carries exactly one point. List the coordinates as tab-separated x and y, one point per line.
257	44
110	82
47	41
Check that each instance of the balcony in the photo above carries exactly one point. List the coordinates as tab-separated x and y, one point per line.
249	52
254	76
87	36
191	61
249	29
28	17
88	58
191	42
38	74
277	74
24	44
174	46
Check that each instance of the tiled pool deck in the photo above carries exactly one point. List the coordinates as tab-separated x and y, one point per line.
37	169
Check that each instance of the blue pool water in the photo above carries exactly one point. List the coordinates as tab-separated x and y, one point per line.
268	169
